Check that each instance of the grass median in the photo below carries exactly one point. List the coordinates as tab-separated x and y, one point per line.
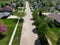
17	36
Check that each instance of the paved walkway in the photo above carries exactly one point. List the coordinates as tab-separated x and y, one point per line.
47	14
13	17
29	36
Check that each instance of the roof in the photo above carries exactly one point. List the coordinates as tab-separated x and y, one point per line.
58	6
6	9
55	16
4	14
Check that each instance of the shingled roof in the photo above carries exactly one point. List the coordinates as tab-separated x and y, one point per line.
6	9
5	14
57	6
55	16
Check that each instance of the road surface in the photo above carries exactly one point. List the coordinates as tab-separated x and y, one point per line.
28	36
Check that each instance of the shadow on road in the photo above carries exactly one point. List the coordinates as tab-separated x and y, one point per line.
31	19
33	23
37	42
34	31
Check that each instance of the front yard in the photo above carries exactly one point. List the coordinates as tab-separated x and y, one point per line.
53	30
54	34
10	23
4	40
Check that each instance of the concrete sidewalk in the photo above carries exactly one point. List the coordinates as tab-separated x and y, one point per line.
13	17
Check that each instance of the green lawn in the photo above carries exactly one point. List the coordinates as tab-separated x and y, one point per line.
10	24
16	40
56	30
19	12
54	34
21	8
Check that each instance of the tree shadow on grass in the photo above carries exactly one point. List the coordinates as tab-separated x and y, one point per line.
21	20
15	20
1	36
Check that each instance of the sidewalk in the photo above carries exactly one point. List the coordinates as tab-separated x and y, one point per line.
13	17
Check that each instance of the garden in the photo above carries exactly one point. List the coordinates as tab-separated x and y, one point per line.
6	29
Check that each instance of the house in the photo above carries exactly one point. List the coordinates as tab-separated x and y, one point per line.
57	7
6	9
55	16
4	15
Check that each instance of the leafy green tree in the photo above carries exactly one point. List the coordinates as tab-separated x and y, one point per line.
49	20
40	13
41	33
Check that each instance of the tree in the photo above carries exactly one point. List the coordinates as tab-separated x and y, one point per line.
41	27
49	20
21	14
40	13
41	33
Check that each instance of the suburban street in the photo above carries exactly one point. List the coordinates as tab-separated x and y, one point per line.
28	37
29	22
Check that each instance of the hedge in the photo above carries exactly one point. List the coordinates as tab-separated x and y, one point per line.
40	27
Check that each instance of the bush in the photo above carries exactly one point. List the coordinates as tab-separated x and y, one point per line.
40	27
21	20
35	14
3	28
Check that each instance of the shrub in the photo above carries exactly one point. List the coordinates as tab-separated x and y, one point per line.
40	27
41	33
35	14
3	28
49	20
